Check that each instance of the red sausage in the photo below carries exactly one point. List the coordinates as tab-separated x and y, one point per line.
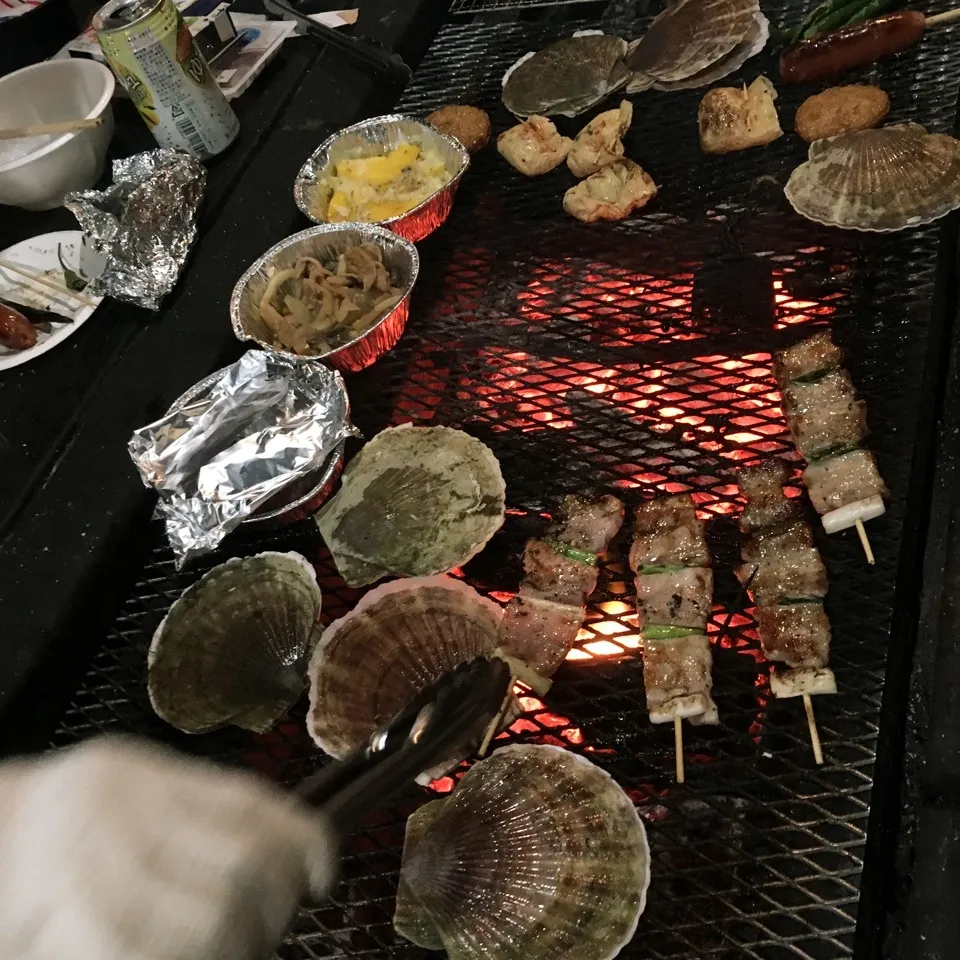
856	46
16	333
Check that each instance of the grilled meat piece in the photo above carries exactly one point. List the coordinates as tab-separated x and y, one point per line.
843	480
811	356
676	675
824	414
797	634
551	576
678	598
791	575
588	524
539	632
667	531
773	541
767	504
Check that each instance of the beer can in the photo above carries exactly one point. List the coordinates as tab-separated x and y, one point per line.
152	53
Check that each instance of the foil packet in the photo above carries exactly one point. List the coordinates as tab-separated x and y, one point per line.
226	448
144	225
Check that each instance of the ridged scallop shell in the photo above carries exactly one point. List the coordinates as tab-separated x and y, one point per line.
878	180
690	36
537	854
234	648
399	639
566	78
416	501
753	42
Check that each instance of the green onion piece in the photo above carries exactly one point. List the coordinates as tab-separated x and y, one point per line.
838	450
661	568
659	631
786	601
814	376
572	553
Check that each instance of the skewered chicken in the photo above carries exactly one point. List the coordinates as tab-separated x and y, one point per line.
540	625
828	423
533	147
670	558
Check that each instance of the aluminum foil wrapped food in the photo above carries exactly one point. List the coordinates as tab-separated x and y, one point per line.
144	225
265	423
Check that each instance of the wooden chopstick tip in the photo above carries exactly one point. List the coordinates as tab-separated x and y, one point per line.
678	748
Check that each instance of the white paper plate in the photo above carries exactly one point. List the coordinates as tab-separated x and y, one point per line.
39	255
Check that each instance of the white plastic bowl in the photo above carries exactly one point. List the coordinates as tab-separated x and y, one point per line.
38	173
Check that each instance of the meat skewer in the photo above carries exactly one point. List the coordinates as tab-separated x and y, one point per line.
541	623
674	581
828	425
784	572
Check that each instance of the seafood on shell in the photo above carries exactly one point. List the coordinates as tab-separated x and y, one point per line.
881	180
416	501
567	78
537	854
234	648
401	637
692	38
613	193
600	142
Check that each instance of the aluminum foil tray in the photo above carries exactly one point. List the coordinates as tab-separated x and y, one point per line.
636	358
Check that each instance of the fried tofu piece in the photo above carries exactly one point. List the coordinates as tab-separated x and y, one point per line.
841	110
533	147
600	142
470	125
732	118
611	194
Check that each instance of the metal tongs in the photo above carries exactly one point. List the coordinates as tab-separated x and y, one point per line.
449	715
367	51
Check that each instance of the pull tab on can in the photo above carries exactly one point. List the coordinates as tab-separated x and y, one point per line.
152	53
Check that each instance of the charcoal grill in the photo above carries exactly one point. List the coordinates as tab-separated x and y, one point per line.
635	358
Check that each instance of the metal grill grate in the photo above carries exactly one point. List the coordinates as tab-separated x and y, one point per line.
635	357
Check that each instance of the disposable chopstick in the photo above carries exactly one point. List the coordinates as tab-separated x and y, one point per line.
44	129
46	282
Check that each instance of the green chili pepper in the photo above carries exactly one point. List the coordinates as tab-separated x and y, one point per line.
657	631
870	10
835	19
817	13
572	553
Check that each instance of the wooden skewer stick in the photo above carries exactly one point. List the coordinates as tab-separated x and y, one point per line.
865	542
44	129
496	721
814	733
949	17
44	282
678	747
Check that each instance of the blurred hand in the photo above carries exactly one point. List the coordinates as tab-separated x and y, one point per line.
120	850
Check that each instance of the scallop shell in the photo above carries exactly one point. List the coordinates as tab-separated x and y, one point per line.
753	42
537	854
400	638
690	36
234	648
566	78
415	501
878	180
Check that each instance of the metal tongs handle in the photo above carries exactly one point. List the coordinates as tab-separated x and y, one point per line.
445	717
359	48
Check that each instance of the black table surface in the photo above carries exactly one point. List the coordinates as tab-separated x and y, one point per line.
68	492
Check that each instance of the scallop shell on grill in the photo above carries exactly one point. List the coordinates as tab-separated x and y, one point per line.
881	180
566	78
400	638
691	36
234	648
416	501
537	854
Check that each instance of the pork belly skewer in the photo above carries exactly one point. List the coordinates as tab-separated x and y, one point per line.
671	563
784	572
541	623
828	424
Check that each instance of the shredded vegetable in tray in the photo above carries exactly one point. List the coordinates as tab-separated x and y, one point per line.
313	307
